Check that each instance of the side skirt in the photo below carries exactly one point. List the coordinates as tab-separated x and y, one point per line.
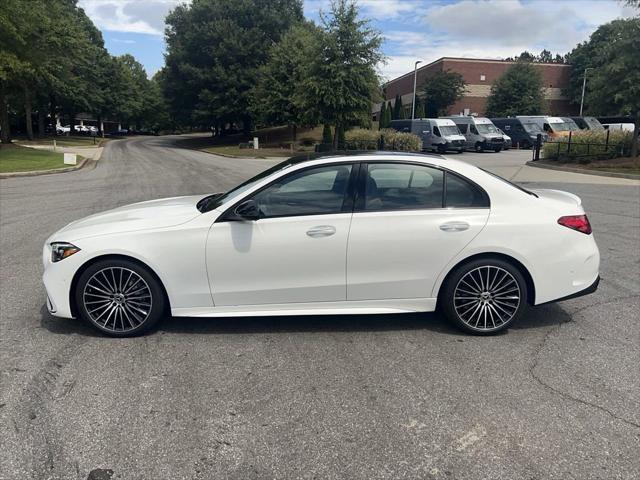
401	305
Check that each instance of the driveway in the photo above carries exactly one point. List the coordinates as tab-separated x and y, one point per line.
362	397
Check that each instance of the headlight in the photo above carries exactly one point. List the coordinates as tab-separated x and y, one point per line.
62	250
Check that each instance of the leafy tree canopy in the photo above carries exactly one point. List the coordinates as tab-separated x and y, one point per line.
442	90
518	92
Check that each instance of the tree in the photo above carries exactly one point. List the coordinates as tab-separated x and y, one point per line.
383	117
397	108
420	112
273	99
518	92
327	136
619	60
214	51
339	82
442	90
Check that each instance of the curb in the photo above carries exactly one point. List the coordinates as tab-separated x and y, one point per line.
546	166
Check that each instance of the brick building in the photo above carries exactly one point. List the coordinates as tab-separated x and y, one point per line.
479	75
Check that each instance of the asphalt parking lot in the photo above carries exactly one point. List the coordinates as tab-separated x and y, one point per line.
361	397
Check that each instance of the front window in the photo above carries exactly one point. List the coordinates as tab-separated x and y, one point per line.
313	191
485	128
449	130
533	128
558	126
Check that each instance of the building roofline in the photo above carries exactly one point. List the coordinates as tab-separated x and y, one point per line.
473	60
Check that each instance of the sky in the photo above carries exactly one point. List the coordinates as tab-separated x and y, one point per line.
413	30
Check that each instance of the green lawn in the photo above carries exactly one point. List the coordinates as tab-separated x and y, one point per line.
62	141
14	158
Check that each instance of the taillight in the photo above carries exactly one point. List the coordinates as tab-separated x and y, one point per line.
576	222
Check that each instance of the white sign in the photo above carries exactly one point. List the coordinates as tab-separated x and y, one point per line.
70	159
255	143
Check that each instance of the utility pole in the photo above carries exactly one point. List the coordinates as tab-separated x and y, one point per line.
415	78
584	85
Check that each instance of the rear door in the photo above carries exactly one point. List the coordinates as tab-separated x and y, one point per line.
410	220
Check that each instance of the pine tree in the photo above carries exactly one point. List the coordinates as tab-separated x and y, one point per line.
419	109
383	116
397	107
327	136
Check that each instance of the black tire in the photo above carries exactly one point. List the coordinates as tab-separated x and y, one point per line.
442	149
525	144
497	150
479	148
126	294
471	309
461	151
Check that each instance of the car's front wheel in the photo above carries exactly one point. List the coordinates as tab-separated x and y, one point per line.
484	296
119	297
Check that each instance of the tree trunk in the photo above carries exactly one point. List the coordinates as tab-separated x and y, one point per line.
27	113
41	119
295	132
634	141
5	128
335	136
72	124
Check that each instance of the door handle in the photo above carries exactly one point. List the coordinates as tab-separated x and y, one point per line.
321	231
454	227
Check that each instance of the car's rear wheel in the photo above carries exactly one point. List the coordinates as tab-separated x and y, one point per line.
484	296
119	297
479	147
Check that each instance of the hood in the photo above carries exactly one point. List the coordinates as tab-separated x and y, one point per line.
165	212
451	138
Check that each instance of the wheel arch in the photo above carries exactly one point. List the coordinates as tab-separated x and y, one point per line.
531	288
111	256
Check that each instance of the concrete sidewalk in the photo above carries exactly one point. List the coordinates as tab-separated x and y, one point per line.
91	152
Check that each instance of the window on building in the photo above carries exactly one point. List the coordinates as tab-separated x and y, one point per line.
482	77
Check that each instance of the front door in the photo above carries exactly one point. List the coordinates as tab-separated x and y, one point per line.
295	252
405	229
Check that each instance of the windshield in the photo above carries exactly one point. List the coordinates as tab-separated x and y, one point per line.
532	128
486	128
509	183
449	130
593	123
559	127
212	202
571	125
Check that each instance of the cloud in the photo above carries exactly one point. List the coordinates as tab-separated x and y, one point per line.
495	29
131	16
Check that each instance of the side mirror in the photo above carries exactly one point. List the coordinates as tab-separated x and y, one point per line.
248	210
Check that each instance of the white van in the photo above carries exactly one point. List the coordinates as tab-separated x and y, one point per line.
480	133
437	134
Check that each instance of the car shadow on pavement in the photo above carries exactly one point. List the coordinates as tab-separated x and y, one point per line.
537	317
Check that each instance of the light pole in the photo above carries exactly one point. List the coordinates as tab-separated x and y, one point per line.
584	84
415	78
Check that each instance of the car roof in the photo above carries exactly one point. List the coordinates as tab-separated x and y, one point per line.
365	156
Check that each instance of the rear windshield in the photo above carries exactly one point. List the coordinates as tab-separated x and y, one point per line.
509	183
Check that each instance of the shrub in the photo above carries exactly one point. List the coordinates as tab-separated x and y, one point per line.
589	145
362	139
394	140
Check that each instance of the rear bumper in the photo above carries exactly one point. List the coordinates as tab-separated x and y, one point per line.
587	291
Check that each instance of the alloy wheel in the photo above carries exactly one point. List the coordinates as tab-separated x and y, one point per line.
117	299
486	298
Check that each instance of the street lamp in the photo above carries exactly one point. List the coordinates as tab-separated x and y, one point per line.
584	84
415	77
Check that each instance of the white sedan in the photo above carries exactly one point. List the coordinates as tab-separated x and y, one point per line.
369	233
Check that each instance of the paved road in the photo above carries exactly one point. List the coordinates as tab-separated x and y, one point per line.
394	396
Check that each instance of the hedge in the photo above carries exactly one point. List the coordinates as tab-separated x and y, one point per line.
589	145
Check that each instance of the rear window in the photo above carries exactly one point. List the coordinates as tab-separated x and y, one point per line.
509	183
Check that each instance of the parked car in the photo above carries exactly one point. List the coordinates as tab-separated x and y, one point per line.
507	140
119	132
369	233
588	123
480	133
522	132
436	134
554	127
